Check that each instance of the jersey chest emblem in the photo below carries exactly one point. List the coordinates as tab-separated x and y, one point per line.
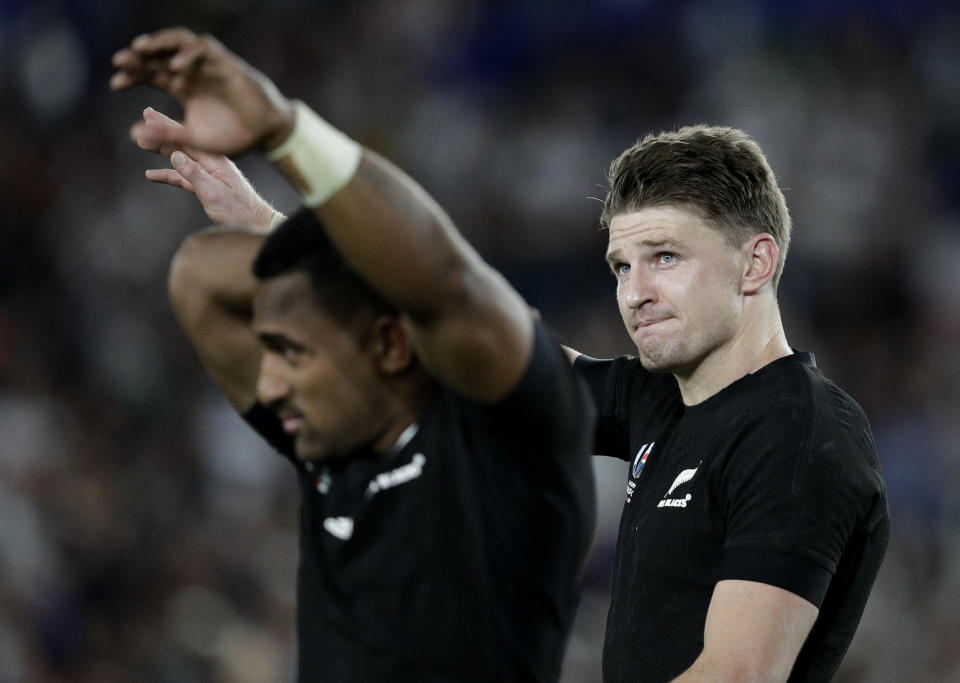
638	462
673	499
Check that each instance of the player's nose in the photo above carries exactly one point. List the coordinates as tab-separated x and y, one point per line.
637	288
272	384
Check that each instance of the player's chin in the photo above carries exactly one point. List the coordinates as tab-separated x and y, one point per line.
658	356
308	448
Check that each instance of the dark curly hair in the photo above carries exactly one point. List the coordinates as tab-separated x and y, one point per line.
301	243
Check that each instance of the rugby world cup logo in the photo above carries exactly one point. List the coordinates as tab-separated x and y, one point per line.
641	459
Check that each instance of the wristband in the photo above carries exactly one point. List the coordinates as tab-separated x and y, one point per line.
317	158
275	220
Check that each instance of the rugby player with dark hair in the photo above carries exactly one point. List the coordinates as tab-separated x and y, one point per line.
440	436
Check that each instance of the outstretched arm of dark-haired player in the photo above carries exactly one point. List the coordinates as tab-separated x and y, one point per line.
211	289
470	327
210	283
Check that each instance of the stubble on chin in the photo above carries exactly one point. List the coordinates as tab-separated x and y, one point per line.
659	355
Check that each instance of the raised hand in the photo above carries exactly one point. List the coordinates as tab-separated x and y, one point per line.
226	195
229	107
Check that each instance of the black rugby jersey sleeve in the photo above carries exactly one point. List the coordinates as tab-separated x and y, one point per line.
266	423
793	494
605	379
550	403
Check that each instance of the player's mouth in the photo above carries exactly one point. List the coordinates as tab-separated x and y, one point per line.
291	422
292	425
649	322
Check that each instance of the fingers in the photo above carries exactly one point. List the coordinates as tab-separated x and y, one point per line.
180	49
123	80
151	114
151	144
165	40
126	59
152	135
132	68
186	173
148	58
152	71
162	148
188	56
169	176
191	171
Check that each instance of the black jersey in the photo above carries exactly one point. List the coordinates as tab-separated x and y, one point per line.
773	479
456	556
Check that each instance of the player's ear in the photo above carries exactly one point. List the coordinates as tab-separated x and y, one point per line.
761	255
390	344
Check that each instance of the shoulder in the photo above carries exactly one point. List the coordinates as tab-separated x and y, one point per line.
794	393
810	405
801	422
622	376
549	397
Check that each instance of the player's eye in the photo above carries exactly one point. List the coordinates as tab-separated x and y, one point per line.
666	257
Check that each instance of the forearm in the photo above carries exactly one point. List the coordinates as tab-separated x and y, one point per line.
753	633
470	327
389	229
400	240
211	290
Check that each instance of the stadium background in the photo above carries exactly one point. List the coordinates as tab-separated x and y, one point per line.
147	535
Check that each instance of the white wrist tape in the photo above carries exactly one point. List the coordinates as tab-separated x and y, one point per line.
276	220
317	158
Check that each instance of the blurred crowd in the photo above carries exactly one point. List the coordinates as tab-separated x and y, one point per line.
146	534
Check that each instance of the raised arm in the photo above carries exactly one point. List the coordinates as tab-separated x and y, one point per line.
470	327
211	288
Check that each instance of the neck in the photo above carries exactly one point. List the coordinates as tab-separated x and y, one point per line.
759	341
404	403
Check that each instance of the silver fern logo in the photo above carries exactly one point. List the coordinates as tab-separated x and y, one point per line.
682	478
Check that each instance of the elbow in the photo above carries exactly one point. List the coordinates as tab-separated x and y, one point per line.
184	273
188	280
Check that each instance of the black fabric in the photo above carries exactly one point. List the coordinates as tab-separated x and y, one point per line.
774	479
790	572
466	544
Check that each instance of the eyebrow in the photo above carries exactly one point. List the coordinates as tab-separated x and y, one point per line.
275	340
615	254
